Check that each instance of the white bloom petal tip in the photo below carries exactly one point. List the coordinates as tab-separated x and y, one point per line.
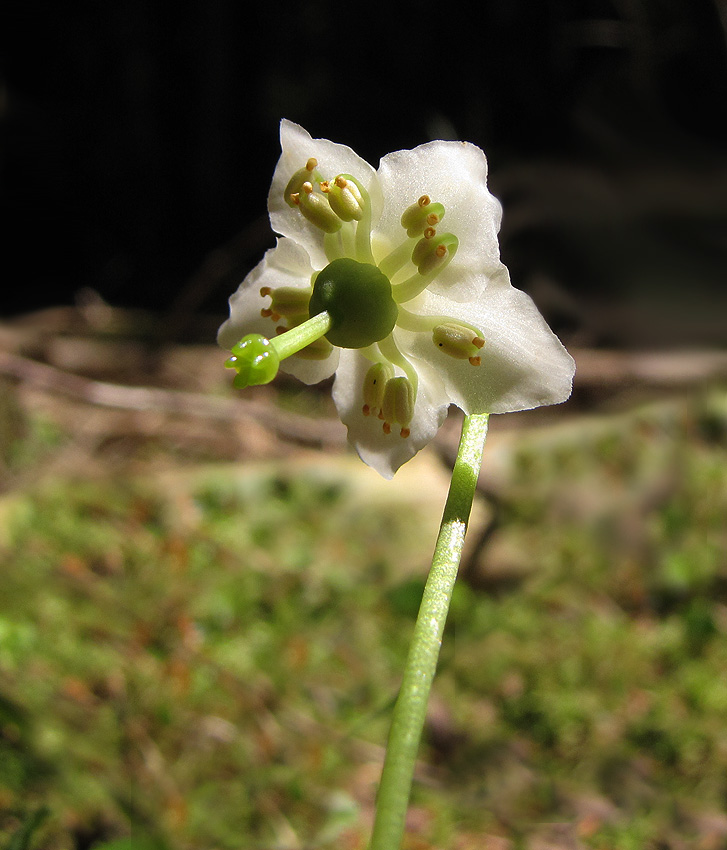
392	280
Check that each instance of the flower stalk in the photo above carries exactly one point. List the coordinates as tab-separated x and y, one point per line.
411	706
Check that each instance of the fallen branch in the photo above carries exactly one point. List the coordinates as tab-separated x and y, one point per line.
174	402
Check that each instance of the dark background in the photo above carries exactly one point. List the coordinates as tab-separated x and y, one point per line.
138	144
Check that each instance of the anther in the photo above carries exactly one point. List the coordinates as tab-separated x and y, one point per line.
432	252
316	209
286	301
374	386
458	341
421	215
302	175
346	199
398	404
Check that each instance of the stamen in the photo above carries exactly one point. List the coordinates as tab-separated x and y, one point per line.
374	386
397	259
429	252
398	405
416	217
457	341
302	175
431	256
286	301
316	208
345	199
390	351
409	321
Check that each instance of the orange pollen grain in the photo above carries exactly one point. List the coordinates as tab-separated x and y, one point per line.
475	361
424	201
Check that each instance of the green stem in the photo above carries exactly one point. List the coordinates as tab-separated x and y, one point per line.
411	706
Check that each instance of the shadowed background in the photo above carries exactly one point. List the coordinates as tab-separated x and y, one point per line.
136	143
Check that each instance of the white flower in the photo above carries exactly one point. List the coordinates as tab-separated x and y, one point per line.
444	324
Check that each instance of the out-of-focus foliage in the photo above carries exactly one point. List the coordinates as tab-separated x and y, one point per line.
208	659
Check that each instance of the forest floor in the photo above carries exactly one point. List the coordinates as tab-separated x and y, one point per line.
207	601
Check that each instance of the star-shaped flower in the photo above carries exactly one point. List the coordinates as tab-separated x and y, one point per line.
392	280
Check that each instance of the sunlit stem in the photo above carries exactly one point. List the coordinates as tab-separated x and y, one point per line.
292	341
411	705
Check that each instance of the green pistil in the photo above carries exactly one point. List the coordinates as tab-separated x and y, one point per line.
256	359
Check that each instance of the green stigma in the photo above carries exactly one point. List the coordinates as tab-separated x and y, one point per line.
255	360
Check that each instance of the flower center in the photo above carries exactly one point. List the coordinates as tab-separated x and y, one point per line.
357	301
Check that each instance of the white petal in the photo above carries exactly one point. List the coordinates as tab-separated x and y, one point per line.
333	159
453	174
523	363
384	452
285	265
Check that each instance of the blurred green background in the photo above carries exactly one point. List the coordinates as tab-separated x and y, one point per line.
206	599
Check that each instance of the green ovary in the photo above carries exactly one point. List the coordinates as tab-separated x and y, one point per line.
358	298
